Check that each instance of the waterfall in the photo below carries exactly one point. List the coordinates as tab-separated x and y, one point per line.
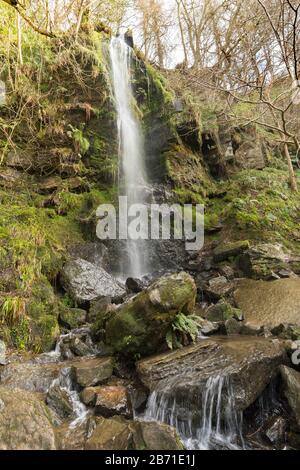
132	180
205	420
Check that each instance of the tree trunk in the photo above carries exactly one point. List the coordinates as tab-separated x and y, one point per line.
19	31
293	180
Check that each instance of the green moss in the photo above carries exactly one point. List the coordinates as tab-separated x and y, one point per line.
257	205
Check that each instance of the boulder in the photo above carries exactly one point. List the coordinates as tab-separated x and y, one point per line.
108	400
269	303
120	434
264	260
24	422
291	388
86	282
140	325
94	371
72	318
2	353
286	331
249	364
227	250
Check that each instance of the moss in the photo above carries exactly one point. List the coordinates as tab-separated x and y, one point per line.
45	332
259	206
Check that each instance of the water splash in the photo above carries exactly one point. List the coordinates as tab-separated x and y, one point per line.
65	382
214	423
132	179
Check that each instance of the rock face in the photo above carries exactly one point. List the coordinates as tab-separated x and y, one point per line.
119	434
248	363
140	325
269	303
85	282
291	381
24	422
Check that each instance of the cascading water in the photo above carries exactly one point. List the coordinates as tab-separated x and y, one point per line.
132	180
216	425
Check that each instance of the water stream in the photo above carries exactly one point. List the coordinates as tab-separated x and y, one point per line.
217	425
132	173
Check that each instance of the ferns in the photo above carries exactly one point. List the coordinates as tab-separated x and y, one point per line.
183	327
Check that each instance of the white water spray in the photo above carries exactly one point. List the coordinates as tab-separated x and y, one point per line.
217	425
132	181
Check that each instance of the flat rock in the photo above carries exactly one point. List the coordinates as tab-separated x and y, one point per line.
249	363
269	303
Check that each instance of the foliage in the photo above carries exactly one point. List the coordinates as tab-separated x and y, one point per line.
183	327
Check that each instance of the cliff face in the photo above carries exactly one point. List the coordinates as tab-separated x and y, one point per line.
59	161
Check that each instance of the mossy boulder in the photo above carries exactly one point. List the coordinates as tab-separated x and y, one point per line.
139	326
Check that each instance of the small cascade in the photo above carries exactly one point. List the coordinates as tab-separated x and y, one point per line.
216	424
132	173
64	381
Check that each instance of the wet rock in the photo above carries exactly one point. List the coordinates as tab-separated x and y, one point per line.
24	422
269	303
223	311
218	288
156	436
59	400
112	400
29	376
73	438
110	434
249	363
134	285
79	348
291	388
85	282
264	260
141	324
2	353
72	318
230	250
93	371
276	430
120	434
